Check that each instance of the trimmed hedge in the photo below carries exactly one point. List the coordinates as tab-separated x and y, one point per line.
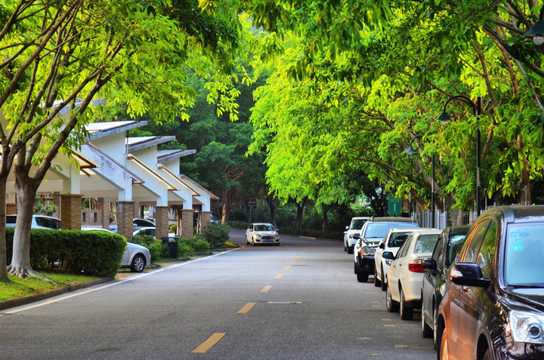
95	253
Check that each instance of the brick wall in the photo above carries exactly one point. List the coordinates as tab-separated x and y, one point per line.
70	214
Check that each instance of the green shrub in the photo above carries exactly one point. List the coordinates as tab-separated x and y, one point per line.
238	224
154	245
198	244
216	234
184	249
173	228
96	253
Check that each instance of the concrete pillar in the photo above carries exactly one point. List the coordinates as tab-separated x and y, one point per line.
136	209
205	219
70	214
187	223
103	205
125	212
161	221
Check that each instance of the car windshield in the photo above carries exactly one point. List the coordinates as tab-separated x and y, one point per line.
397	239
524	253
380	229
264	228
357	224
425	243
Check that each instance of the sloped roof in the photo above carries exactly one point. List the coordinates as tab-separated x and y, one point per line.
101	129
167	155
143	142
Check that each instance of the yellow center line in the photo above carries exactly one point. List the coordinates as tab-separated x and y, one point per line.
288	267
293	261
246	308
207	345
266	288
298	257
279	276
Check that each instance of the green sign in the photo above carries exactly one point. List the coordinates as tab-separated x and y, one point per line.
394	206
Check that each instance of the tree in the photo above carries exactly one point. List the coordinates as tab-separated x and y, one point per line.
59	55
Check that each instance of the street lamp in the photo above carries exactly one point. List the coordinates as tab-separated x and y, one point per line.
477	108
412	151
537	30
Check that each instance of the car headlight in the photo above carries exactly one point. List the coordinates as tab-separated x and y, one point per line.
367	250
258	236
527	327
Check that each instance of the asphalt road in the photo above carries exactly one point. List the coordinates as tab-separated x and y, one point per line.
300	300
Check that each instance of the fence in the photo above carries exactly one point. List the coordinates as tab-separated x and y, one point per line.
443	219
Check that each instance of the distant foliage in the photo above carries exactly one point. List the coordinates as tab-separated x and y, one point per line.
216	234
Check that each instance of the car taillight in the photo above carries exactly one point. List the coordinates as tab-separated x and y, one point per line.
416	267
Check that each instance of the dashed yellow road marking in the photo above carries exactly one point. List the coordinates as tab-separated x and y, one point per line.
266	288
207	345
298	257
246	308
287	267
279	276
401	346
293	261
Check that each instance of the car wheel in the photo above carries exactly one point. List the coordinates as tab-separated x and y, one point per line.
345	247
406	309
435	327
362	277
355	268
426	330
390	304
377	281
443	350
253	241
350	249
384	284
138	263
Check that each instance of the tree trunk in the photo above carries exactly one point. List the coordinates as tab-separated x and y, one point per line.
226	207
272	207
525	184
26	193
300	212
3	248
324	224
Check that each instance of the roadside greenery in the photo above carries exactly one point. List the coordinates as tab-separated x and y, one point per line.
18	287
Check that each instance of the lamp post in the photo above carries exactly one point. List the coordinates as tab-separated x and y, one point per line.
477	108
537	30
412	151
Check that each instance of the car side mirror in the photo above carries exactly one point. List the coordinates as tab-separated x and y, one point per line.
381	246
388	255
468	274
356	236
429	264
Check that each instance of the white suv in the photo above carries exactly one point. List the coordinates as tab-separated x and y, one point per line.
38	221
353	232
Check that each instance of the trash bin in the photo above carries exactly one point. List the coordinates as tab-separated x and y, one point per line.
172	245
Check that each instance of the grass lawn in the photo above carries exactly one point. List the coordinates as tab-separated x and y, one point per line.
34	285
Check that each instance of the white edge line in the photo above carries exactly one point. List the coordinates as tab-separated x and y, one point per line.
114	283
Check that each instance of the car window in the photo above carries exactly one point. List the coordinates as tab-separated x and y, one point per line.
438	254
474	239
455	245
524	254
404	248
380	229
486	254
357	224
425	243
264	228
397	239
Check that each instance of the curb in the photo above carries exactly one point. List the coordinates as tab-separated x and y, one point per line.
41	296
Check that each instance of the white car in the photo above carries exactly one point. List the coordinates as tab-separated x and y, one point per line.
262	233
405	275
353	232
136	257
392	242
38	222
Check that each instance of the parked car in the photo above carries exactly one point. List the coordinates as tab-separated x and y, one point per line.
392	242
372	233
436	267
135	257
262	233
38	221
405	274
147	230
353	232
494	302
137	223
